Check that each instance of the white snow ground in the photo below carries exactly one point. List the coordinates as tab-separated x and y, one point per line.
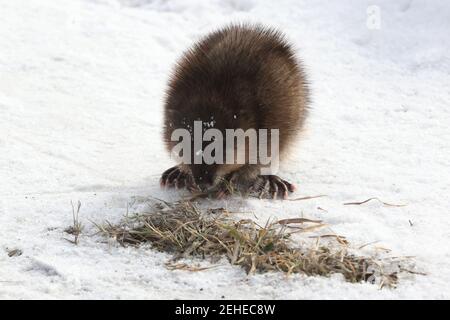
81	88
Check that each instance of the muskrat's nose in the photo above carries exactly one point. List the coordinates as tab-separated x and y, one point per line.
203	176
203	182
203	187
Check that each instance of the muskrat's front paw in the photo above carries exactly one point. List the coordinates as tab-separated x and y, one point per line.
176	178
272	186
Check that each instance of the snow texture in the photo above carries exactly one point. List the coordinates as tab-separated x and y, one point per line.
81	90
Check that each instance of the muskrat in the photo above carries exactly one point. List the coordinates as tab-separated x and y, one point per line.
241	76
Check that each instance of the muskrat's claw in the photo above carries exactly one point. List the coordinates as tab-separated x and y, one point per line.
272	186
178	179
222	194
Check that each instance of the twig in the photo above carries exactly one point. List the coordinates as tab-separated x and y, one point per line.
370	199
308	198
297	220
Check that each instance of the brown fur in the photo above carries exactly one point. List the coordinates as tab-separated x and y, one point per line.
243	70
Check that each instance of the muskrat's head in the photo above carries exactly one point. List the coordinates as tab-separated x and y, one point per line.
206	169
198	136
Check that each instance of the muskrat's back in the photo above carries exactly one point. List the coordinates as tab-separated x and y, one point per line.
241	76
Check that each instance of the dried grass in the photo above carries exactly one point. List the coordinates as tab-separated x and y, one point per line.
370	199
76	228
184	230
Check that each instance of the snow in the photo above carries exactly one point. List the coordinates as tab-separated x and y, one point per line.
81	90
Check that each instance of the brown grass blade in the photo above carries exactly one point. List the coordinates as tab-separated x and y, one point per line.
370	199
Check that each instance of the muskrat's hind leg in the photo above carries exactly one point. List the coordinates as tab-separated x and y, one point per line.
177	178
272	186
